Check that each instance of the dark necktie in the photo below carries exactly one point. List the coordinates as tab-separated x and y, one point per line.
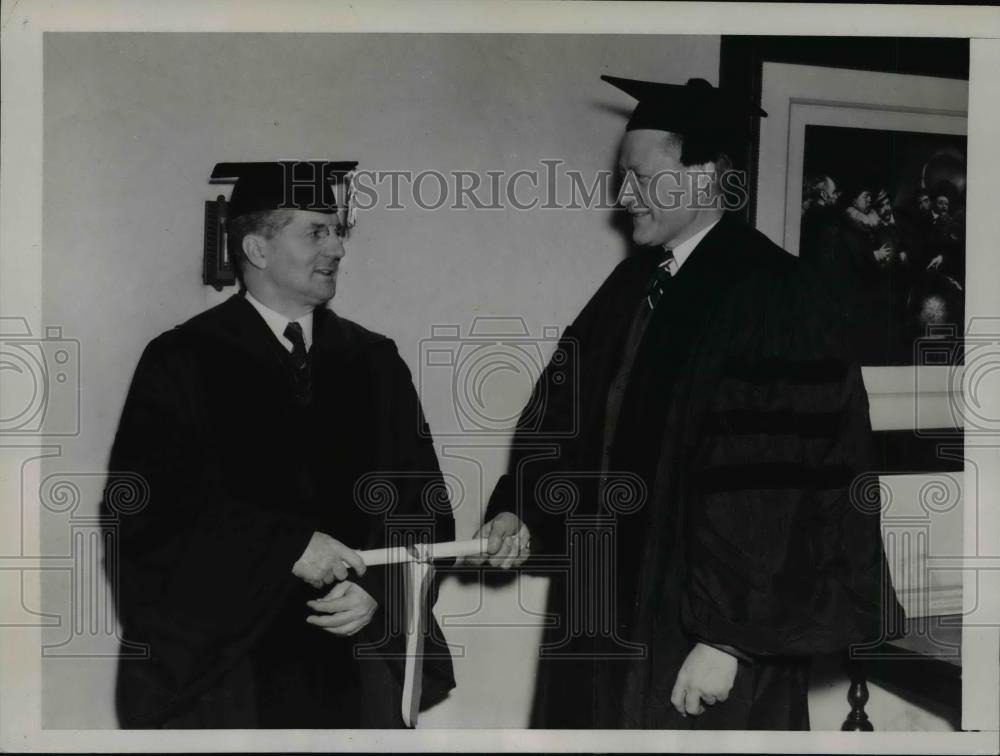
300	361
657	282
643	314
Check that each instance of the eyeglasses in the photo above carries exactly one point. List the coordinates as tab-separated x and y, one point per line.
321	231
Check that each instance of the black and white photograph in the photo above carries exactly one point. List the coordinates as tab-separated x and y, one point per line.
898	217
411	377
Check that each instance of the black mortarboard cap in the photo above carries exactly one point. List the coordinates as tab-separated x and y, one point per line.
283	184
684	108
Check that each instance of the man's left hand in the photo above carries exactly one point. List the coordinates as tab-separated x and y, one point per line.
707	675
345	610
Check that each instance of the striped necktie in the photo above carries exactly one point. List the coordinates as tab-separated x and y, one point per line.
657	282
300	362
293	332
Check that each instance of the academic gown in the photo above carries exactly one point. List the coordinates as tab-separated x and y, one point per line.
220	473
729	504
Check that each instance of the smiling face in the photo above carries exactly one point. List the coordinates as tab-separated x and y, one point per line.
295	269
667	201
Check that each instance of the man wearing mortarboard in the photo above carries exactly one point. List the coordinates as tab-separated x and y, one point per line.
728	537
273	438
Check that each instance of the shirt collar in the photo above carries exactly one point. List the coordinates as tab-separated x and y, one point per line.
683	250
278	322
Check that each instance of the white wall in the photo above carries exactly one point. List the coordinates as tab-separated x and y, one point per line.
133	126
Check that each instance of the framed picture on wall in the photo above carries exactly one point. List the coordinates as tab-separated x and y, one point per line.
884	107
874	163
855	156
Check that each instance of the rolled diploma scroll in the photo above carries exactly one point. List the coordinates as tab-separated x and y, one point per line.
418	574
423	552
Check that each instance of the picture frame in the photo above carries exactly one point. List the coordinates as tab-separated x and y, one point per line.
742	58
919	398
798	96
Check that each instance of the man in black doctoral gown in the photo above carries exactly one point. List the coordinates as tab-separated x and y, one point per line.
261	443
707	528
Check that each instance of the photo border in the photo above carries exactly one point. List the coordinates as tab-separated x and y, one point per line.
20	275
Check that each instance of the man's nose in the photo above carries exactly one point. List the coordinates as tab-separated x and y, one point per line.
627	195
334	246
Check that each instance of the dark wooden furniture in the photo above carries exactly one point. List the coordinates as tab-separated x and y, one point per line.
925	666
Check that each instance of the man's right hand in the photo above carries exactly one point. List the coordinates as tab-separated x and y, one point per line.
326	560
883	254
509	542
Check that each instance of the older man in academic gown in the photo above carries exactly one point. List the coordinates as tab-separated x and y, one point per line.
708	527
265	440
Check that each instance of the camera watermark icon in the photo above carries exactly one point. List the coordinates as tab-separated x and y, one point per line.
379	493
971	367
80	562
584	573
41	380
921	525
587	590
489	370
618	494
400	593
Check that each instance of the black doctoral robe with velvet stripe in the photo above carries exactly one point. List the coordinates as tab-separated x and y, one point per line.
239	475
746	425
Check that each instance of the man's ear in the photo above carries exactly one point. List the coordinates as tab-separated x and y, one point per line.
253	249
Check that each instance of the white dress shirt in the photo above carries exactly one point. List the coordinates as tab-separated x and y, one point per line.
278	323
